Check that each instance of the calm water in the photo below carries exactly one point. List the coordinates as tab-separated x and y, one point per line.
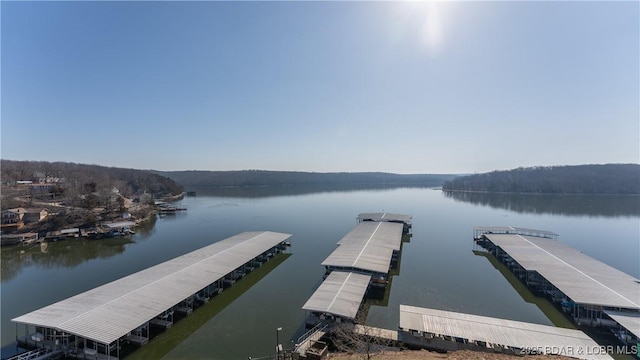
438	268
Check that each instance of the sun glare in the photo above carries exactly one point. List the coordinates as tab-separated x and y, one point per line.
431	34
422	22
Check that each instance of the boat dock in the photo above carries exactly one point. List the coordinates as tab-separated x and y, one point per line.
306	342
165	208
339	296
449	331
97	322
405	220
590	292
369	248
362	260
22	238
37	354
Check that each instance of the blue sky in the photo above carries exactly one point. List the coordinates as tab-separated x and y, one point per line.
405	87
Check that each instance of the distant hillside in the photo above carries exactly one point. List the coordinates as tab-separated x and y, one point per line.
274	178
81	178
580	179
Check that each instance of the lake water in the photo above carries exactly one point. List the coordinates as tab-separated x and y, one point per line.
438	268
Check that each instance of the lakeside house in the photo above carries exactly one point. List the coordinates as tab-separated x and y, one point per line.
16	218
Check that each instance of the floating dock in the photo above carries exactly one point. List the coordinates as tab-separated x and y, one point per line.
446	330
406	220
362	260
340	294
22	238
99	320
368	248
593	293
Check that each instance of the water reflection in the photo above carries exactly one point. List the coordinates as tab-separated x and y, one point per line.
67	254
573	205
146	228
289	190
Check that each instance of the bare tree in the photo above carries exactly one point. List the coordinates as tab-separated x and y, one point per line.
360	339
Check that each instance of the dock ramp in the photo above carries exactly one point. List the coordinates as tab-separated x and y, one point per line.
315	334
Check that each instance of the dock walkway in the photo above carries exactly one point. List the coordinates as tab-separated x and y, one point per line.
305	341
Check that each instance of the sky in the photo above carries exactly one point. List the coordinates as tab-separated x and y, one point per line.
401	87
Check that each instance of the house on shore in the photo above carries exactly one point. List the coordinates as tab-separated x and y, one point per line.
16	218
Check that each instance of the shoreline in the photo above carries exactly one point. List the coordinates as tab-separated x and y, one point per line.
433	355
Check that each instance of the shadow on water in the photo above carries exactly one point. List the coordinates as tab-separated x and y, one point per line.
67	253
146	228
557	318
166	341
380	296
572	205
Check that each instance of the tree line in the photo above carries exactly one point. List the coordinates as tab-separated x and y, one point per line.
579	179
592	205
248	178
81	182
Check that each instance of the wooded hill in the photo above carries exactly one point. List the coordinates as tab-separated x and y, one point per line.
246	178
580	179
79	179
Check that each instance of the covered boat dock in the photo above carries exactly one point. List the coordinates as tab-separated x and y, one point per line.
594	293
98	321
387	217
629	325
448	330
339	296
363	259
369	248
482	230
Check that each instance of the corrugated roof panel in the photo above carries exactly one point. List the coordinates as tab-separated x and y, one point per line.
517	334
384	234
110	311
340	294
629	320
513	229
369	246
384	216
582	278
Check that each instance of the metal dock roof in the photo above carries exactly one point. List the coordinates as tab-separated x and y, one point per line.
340	294
369	246
385	235
384	216
517	230
110	311
582	278
517	334
628	320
